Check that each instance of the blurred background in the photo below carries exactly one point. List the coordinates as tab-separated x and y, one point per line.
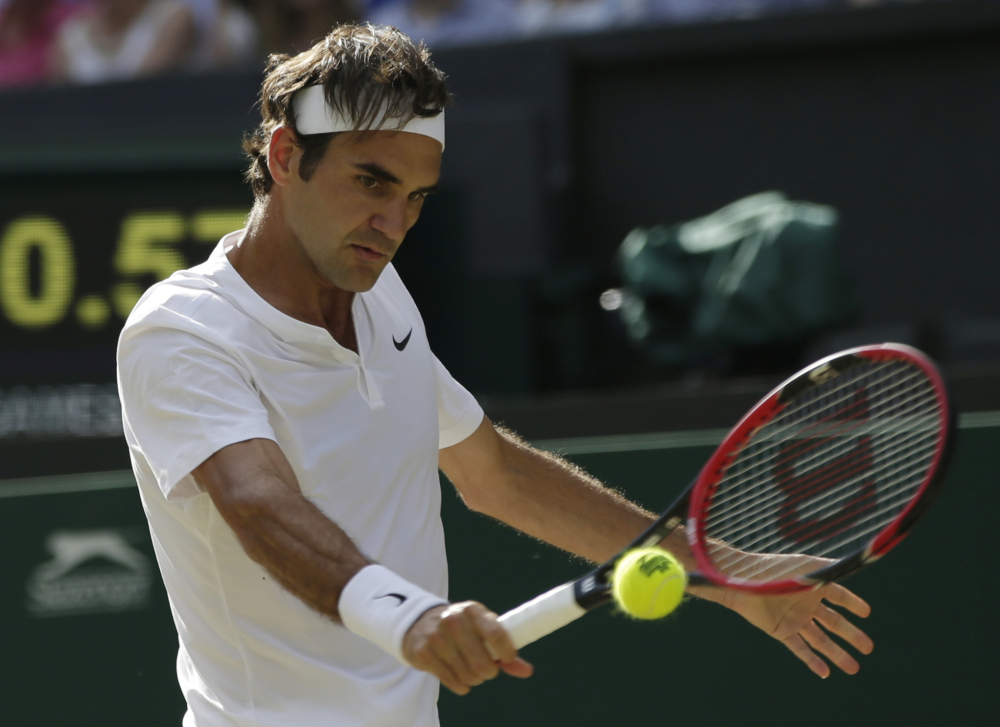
651	212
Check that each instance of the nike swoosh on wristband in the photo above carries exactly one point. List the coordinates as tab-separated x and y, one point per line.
400	345
402	598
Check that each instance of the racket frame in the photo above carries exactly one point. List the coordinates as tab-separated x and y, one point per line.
770	406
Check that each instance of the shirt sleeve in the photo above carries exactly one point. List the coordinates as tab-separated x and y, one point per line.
459	414
183	399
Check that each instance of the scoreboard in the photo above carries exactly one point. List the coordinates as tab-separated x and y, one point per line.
77	251
38	283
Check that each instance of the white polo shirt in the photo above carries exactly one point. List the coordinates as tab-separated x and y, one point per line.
204	362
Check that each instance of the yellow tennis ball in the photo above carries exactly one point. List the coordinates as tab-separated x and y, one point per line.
648	583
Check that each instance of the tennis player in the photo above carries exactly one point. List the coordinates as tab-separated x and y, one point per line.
287	419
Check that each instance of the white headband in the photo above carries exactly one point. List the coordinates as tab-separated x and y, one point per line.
313	115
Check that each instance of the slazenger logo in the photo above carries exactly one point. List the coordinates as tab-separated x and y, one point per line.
91	571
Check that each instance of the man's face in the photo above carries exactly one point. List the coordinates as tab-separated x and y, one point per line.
365	194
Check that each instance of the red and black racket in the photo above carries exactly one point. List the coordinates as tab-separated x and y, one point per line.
823	476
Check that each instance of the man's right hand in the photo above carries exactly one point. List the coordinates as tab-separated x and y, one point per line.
450	643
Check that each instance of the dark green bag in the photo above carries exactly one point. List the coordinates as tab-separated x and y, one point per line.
760	271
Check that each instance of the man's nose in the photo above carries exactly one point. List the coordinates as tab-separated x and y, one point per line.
393	220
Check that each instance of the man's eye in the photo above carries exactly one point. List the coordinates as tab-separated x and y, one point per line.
418	196
369	182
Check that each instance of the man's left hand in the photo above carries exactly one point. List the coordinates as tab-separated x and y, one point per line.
804	623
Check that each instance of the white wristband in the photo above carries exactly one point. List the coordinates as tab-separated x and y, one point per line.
381	606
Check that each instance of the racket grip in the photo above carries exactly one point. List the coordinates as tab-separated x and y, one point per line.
542	615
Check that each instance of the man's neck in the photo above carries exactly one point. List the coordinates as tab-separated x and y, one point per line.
272	263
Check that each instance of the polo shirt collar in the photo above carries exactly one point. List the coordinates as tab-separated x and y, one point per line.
282	325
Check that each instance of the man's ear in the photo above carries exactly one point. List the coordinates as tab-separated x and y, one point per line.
282	155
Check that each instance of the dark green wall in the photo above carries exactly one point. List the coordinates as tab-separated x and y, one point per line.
111	668
933	623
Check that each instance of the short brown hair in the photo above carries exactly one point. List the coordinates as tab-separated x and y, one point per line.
361	67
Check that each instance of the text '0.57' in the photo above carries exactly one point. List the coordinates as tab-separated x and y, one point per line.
38	264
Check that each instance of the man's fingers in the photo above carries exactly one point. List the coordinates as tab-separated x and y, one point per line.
812	641
821	642
434	648
517	668
455	643
840	596
495	638
467	654
498	644
501	649
807	656
435	657
843	628
448	678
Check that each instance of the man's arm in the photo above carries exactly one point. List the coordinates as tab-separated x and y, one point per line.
546	497
499	475
255	490
543	495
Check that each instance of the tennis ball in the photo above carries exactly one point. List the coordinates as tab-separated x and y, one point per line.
648	583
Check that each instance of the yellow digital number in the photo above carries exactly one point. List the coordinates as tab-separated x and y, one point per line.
146	248
212	224
57	272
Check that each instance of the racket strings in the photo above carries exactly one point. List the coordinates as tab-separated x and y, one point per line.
825	446
863	520
738	504
757	456
758	491
778	431
851	473
751	567
835	466
830	501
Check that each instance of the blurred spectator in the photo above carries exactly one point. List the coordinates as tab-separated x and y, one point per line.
90	41
204	13
227	32
692	11
121	39
292	26
28	31
447	22
536	17
233	39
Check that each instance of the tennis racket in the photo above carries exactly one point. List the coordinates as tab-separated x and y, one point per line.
823	476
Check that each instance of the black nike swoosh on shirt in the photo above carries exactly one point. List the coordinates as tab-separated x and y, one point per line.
400	345
402	598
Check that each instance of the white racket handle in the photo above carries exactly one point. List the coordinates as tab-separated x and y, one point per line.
542	615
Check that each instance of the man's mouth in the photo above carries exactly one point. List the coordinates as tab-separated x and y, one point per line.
368	253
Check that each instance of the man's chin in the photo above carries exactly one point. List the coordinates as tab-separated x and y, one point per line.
360	281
